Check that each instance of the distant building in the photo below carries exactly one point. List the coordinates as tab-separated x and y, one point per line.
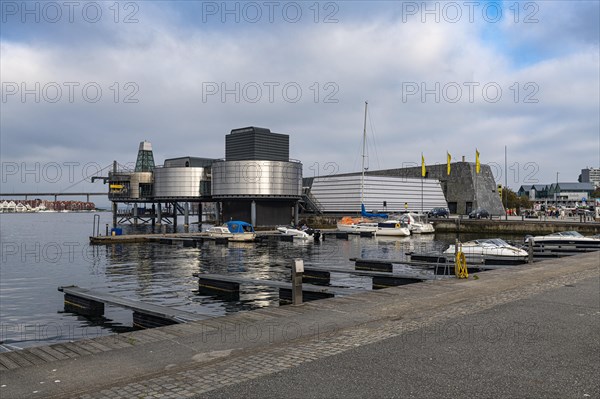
561	194
463	190
533	192
342	194
590	175
256	182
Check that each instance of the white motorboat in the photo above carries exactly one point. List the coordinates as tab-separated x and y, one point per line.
233	231
417	224
490	250
392	228
565	241
300	234
219	232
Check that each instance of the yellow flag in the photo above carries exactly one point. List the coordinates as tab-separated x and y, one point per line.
477	164
448	163
423	170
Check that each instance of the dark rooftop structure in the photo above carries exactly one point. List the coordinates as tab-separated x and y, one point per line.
256	143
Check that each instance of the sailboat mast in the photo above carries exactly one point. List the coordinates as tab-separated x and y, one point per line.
362	179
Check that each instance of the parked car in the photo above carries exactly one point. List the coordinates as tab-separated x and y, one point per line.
529	214
438	213
479	213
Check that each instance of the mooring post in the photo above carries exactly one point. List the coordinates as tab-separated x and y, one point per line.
107	229
530	250
297	272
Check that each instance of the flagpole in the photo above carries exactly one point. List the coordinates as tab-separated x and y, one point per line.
422	194
505	190
422	177
477	170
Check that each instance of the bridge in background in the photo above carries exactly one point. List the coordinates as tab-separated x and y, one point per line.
55	195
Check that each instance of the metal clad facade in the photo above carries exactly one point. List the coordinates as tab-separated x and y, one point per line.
342	193
181	182
231	179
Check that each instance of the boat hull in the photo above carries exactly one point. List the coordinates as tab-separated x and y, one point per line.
566	245
393	232
357	228
243	237
471	259
422	229
296	234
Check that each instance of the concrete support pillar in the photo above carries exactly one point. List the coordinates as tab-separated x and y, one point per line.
135	214
186	217
114	214
174	217
199	216
296	213
153	215
253	213
158	214
218	211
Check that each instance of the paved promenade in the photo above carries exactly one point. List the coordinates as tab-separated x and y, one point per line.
531	331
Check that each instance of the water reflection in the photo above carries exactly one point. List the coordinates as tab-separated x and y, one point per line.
157	273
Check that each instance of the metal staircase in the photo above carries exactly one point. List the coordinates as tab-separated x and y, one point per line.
309	203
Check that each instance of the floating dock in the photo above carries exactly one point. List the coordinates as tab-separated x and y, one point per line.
89	302
217	284
380	280
175	238
387	265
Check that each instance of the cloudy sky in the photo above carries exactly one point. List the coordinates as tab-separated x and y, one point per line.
83	83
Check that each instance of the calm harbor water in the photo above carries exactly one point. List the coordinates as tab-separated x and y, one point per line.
41	251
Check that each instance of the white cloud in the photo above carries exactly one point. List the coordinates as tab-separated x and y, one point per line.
371	60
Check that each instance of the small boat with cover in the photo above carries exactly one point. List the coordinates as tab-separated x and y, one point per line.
234	230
